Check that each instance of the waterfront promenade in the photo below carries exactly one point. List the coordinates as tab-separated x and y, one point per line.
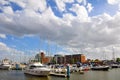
112	74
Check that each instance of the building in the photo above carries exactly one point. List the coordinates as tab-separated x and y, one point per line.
71	59
59	59
42	58
37	57
83	58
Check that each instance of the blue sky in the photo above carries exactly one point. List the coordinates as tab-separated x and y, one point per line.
59	27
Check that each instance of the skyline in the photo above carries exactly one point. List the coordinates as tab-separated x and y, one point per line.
90	27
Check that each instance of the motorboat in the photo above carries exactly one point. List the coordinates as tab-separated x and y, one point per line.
115	66
37	69
5	65
102	68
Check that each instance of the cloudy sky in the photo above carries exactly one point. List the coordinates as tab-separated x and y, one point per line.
90	27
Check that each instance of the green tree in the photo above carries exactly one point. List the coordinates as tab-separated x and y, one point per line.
97	60
53	60
118	60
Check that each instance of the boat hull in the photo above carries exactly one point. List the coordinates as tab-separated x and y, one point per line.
37	73
115	66
2	67
100	68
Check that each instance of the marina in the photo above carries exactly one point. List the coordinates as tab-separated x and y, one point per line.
59	40
112	74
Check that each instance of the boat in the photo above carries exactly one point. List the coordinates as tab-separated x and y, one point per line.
115	66
5	65
58	74
58	70
37	69
102	68
81	72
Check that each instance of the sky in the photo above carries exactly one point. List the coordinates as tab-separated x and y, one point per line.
89	27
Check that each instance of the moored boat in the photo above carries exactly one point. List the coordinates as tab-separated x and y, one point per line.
103	68
115	66
37	69
5	65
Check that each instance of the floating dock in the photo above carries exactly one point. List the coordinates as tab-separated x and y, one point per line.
58	74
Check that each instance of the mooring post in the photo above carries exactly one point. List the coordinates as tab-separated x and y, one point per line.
68	71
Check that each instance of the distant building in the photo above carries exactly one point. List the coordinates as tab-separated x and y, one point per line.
83	58
37	57
59	59
42	58
71	59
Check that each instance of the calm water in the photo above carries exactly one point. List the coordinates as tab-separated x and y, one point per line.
113	74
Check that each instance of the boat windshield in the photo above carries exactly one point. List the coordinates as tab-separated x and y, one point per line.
33	66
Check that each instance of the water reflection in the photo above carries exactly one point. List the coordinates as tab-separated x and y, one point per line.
113	74
29	77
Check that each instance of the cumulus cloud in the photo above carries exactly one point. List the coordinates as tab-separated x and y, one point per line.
81	12
8	10
113	2
79	1
3	47
89	7
2	36
61	4
80	31
13	54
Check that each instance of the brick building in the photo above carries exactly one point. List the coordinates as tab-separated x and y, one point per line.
71	59
42	58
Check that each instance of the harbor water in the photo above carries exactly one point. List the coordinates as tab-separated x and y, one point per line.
112	74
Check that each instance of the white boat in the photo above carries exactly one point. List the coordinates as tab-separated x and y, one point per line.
37	69
115	66
5	65
103	68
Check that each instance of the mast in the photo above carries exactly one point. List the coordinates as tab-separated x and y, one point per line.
113	54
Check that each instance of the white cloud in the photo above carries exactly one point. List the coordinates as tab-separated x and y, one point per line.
113	2
79	1
81	12
13	54
79	31
8	10
3	46
4	49
60	4
37	5
21	3
2	2
89	7
69	1
82	1
2	36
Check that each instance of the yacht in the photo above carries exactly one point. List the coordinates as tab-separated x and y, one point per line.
103	68
37	69
5	65
115	65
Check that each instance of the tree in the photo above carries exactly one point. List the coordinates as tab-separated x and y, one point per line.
118	60
97	60
53	61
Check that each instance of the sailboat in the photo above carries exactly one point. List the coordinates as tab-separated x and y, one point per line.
102	67
114	64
